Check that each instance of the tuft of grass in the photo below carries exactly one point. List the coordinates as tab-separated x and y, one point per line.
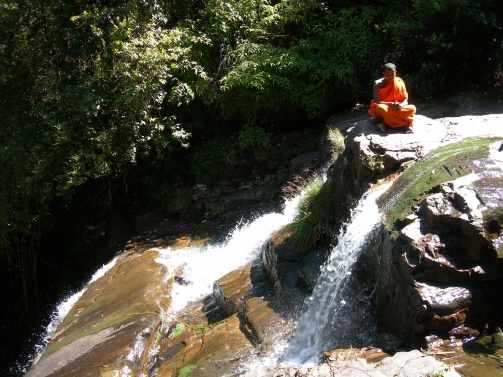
314	220
336	139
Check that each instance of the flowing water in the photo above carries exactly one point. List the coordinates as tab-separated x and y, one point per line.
339	310
242	245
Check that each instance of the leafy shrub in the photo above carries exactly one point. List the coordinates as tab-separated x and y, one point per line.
253	136
435	43
323	65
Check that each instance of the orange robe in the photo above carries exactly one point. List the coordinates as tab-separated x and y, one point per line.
393	92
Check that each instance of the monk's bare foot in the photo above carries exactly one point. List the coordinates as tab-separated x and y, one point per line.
383	128
408	130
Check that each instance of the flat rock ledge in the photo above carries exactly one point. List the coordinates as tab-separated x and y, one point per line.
410	364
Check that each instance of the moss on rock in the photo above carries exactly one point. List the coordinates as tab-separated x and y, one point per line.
421	179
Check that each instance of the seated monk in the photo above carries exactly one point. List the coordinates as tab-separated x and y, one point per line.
390	104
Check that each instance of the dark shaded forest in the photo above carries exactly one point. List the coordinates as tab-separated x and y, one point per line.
110	105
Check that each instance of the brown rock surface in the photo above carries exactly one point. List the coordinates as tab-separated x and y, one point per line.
233	289
116	313
215	353
265	323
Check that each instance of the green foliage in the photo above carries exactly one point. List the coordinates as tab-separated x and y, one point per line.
374	163
253	136
207	162
436	46
336	139
313	222
180	201
186	370
180	327
497	357
323	64
167	93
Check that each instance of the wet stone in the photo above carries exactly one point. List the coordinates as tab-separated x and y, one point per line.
233	289
439	270
265	323
116	316
370	354
224	348
445	301
311	267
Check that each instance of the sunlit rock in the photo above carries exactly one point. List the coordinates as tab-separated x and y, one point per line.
118	315
232	290
267	322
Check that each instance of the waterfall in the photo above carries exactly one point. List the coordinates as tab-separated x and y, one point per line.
201	266
339	310
241	246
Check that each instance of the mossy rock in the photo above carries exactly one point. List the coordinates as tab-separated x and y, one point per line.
442	165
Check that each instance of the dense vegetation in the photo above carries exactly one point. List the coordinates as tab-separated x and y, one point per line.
101	99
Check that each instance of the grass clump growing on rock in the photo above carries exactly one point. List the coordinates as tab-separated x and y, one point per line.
313	222
442	165
336	139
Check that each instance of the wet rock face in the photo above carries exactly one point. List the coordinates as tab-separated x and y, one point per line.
448	255
457	219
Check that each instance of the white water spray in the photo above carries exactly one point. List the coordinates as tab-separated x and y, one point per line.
202	266
325	323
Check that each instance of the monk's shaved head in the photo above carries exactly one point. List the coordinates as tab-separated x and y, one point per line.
389	66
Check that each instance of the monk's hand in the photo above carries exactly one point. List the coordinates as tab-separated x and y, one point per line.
396	106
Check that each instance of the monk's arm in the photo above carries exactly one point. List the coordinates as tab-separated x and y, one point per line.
375	91
399	105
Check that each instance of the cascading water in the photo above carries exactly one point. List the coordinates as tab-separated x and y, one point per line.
339	311
242	246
